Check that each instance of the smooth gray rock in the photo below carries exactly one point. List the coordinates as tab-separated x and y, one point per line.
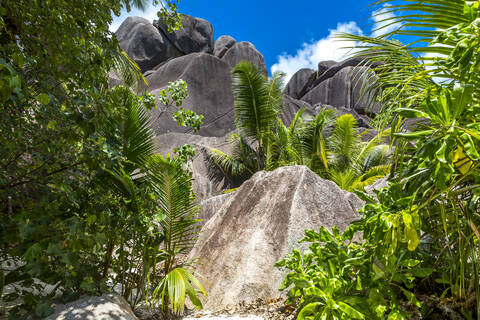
325	65
261	223
319	94
244	51
195	36
204	185
300	80
144	43
291	107
210	206
345	90
331	71
105	307
210	93
222	45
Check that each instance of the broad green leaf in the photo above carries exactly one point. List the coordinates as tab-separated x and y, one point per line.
309	310
414	135
43	98
351	312
411	297
412	238
411	113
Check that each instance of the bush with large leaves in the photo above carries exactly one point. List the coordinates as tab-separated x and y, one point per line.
421	236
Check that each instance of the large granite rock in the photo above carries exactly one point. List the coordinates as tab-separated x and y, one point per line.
301	79
261	223
105	307
209	207
244	51
144	43
325	65
210	93
291	107
222	45
319	94
344	90
203	184
195	36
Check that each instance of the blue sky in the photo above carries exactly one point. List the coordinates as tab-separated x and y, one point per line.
290	34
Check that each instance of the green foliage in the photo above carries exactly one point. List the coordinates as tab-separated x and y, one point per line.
263	142
258	104
78	198
173	96
176	201
420	235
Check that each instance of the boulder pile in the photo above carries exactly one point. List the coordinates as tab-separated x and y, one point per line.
192	54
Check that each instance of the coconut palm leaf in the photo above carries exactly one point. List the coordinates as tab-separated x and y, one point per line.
378	155
176	286
344	142
255	97
312	141
173	188
128	70
132	134
370	176
229	166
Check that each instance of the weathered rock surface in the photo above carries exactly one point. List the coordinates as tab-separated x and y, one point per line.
213	205
343	90
260	224
210	93
105	307
300	80
144	43
203	185
244	51
325	65
195	36
222	45
290	108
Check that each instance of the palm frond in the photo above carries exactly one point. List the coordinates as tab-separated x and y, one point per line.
173	188
376	156
312	141
370	176
131	132
344	142
275	91
128	70
229	166
176	286
255	112
345	179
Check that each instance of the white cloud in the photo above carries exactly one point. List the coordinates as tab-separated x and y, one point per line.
328	48
380	26
150	14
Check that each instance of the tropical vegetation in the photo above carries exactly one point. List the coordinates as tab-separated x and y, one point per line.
334	149
419	253
86	205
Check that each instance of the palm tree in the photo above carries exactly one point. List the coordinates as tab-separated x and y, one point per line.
173	187
258	104
337	152
143	174
263	142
